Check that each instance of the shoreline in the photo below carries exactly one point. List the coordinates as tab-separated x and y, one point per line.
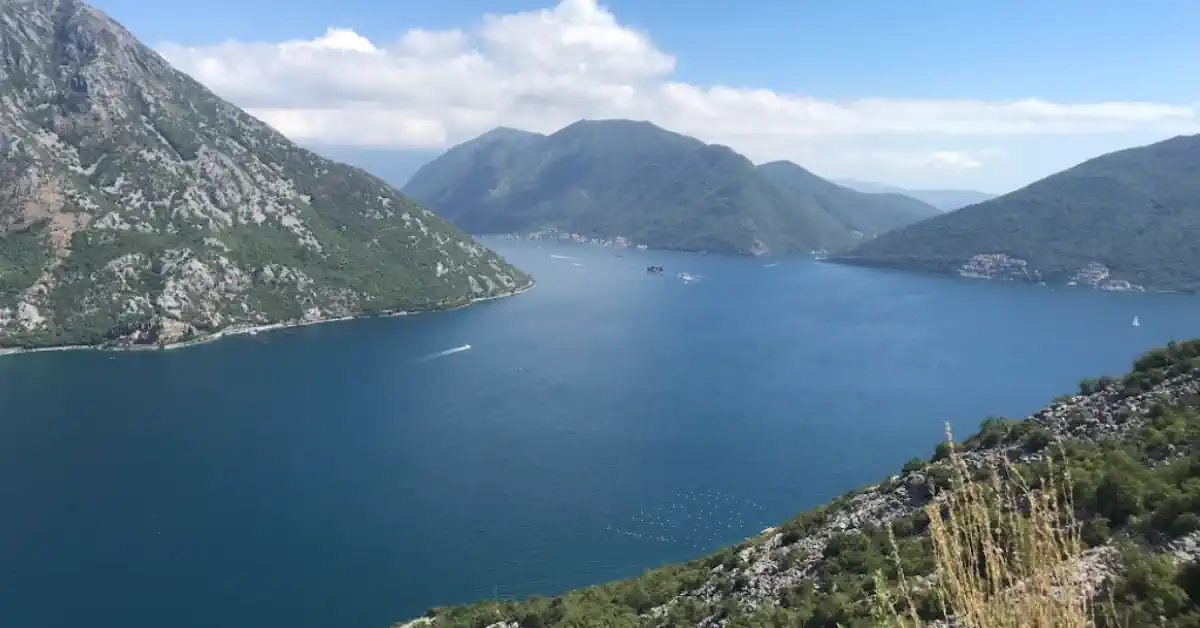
947	274
841	261
244	330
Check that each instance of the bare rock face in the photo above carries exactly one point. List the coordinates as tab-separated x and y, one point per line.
136	206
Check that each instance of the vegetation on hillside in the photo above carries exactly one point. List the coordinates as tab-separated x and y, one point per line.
620	178
137	207
1132	495
1136	211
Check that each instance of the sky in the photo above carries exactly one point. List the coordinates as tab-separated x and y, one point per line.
986	94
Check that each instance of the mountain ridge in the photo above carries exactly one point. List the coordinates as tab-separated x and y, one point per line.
1126	220
634	182
137	208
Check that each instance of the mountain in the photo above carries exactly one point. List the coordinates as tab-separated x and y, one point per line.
137	207
614	179
1124	220
394	165
870	214
1126	456
945	200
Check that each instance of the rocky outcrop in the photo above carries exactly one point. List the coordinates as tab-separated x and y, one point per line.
137	207
1112	412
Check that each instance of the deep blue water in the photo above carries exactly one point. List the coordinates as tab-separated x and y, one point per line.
605	422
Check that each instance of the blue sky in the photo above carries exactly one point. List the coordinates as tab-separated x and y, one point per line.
1067	52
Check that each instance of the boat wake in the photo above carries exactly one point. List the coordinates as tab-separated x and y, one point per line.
553	256
442	354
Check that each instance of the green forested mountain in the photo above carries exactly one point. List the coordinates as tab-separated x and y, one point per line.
1123	220
620	178
1130	449
137	207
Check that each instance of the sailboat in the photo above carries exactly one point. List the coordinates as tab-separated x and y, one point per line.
1135	322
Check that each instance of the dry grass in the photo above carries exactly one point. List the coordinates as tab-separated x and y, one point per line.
1006	555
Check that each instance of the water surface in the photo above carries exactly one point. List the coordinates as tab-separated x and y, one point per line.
607	421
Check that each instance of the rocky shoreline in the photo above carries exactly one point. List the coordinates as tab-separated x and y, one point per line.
242	330
1003	267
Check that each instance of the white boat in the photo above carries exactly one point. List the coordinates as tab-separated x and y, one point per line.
1135	322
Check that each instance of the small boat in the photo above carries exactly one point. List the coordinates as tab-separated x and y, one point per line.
1135	322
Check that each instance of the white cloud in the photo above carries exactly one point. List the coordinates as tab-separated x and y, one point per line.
541	70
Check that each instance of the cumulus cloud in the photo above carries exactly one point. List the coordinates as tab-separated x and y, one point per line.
540	70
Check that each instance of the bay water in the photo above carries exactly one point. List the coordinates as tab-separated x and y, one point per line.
610	420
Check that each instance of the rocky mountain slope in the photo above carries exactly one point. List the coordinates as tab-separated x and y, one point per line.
621	179
137	207
945	200
1131	447
1125	220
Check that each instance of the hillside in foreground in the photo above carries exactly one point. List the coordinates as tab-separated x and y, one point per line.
1130	445
1128	220
635	183
136	207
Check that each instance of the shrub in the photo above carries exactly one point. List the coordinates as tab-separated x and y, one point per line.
942	451
1037	439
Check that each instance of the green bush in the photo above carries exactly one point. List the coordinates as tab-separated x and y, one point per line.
941	452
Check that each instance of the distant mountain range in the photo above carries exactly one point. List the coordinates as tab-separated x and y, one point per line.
397	166
611	179
945	200
1124	220
867	213
393	165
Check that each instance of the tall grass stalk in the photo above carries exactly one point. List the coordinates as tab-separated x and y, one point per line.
1006	554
